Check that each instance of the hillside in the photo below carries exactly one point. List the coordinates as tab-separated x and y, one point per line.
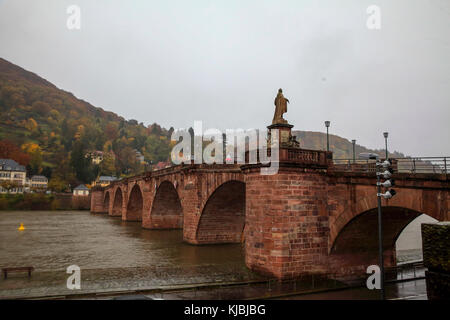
341	147
56	130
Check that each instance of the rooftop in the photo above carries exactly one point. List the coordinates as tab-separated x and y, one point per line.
107	178
10	165
38	177
81	187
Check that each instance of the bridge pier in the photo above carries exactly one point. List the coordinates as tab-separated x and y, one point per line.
97	200
286	221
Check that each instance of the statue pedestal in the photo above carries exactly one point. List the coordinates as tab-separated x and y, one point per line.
285	134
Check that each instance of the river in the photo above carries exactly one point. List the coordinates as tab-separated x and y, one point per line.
113	255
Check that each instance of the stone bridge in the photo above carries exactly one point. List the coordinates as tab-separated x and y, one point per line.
310	217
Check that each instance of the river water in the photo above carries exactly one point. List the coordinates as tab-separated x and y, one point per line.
113	255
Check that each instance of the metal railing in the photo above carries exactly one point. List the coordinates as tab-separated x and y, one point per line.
428	165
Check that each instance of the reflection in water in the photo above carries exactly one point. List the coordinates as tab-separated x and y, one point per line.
54	240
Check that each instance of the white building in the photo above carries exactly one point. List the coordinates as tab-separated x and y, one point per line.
104	181
81	190
38	182
12	174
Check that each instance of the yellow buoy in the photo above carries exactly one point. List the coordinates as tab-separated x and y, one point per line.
21	228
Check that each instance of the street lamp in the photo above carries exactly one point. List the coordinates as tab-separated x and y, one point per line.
385	134
327	124
354	155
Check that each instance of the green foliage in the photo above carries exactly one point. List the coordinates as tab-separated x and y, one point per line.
80	163
56	184
107	166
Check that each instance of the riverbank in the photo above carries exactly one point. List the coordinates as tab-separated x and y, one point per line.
41	201
112	280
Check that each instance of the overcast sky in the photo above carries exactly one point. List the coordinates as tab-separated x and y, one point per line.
222	62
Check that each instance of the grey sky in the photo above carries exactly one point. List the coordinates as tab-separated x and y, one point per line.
173	62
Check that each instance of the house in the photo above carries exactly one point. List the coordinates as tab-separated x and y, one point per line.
96	156
139	157
38	182
81	190
103	181
12	176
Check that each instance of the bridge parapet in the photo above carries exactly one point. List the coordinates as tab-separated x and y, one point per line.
298	156
412	166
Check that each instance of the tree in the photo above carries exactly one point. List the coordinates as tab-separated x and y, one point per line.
12	96
64	170
107	166
47	171
81	164
35	153
9	185
57	185
126	160
31	125
111	131
41	108
9	150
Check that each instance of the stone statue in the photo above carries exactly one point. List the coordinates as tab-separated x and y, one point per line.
280	108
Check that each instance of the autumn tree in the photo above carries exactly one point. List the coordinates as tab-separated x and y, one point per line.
9	185
111	131
35	153
9	150
56	184
41	108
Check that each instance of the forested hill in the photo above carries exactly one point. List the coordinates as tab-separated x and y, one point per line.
341	147
51	131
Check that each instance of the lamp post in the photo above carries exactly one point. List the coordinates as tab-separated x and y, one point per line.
380	234
387	195
354	155
327	124
380	226
385	134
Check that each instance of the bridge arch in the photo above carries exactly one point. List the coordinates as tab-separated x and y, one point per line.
135	204
106	202
117	203
355	247
223	216
166	211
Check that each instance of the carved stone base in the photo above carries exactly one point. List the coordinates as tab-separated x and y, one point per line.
285	135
